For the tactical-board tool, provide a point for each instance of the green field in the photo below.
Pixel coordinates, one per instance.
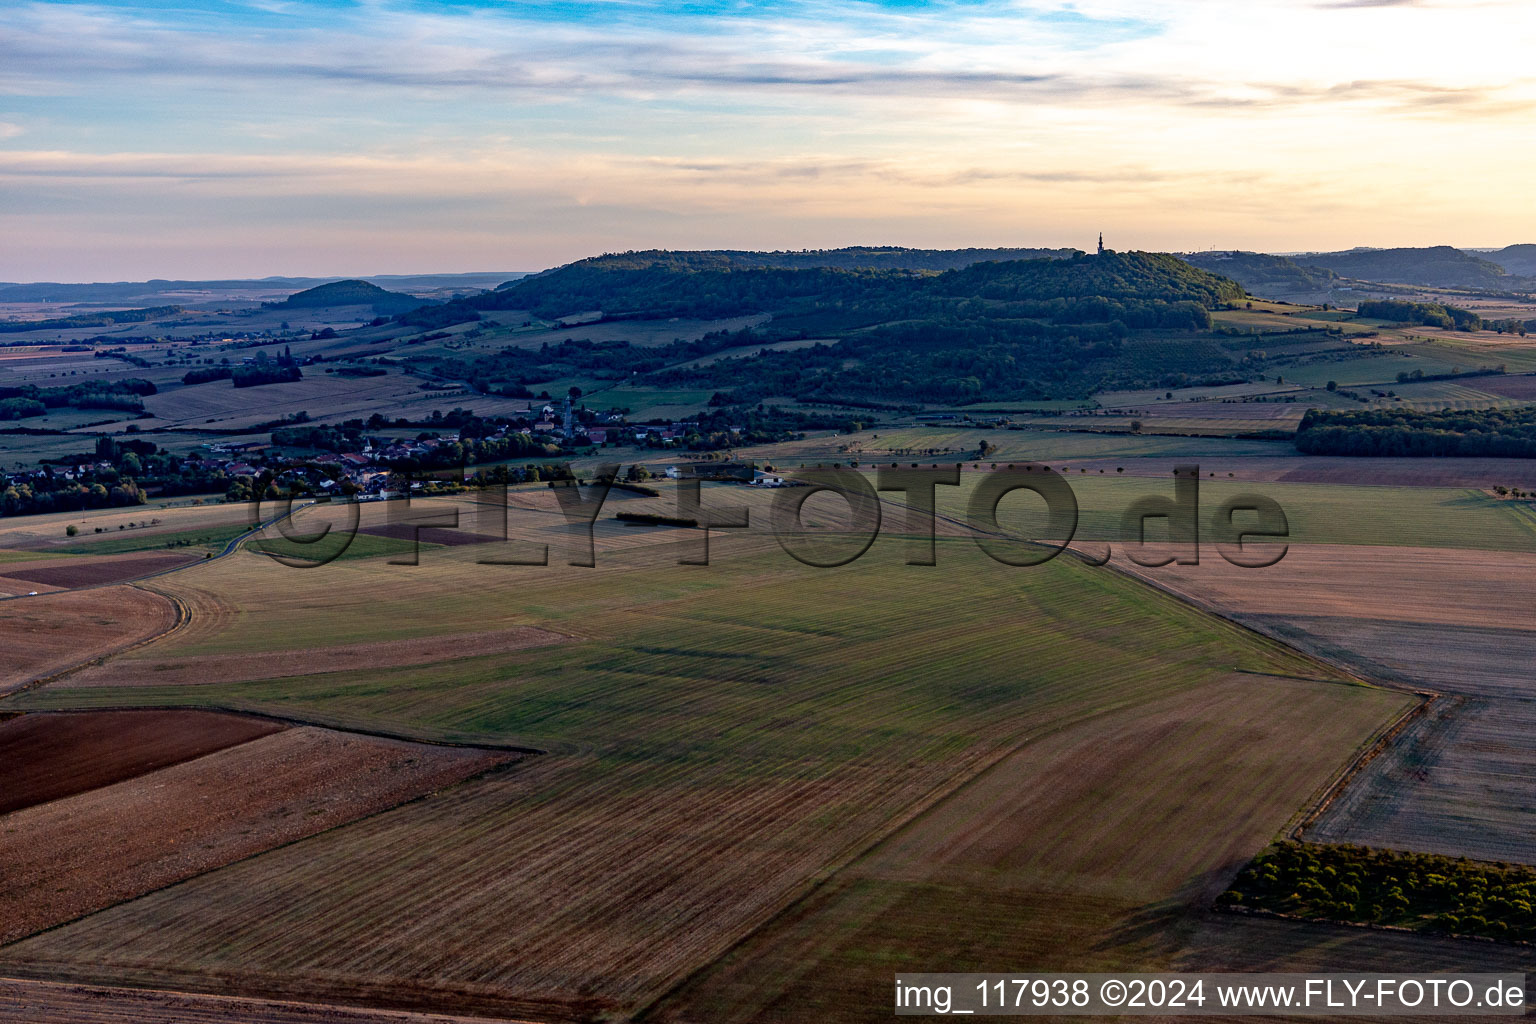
(335, 546)
(1328, 514)
(28, 556)
(116, 542)
(1047, 439)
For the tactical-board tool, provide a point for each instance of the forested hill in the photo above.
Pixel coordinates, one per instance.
(1018, 329)
(1273, 277)
(1517, 259)
(351, 293)
(1438, 266)
(1146, 276)
(675, 285)
(856, 257)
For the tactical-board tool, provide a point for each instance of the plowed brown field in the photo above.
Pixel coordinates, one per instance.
(87, 851)
(87, 571)
(47, 757)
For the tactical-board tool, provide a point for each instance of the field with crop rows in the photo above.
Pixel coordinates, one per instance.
(55, 631)
(1454, 622)
(718, 739)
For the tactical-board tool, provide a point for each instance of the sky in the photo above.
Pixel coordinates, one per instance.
(246, 138)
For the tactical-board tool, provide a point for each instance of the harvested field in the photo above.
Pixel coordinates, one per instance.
(147, 668)
(1088, 849)
(1276, 411)
(22, 588)
(1439, 586)
(1238, 942)
(1459, 781)
(41, 1002)
(87, 851)
(230, 406)
(47, 757)
(85, 571)
(1413, 472)
(725, 739)
(52, 632)
(105, 531)
(430, 534)
(1521, 386)
(1324, 469)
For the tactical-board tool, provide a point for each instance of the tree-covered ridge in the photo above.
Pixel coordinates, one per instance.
(102, 319)
(1517, 259)
(671, 285)
(351, 293)
(1136, 276)
(1509, 433)
(1005, 330)
(1419, 891)
(1263, 274)
(1426, 314)
(1438, 266)
(661, 290)
(945, 361)
(855, 257)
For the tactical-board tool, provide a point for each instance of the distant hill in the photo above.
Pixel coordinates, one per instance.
(1517, 259)
(1273, 277)
(473, 282)
(1439, 266)
(856, 257)
(1010, 329)
(350, 293)
(234, 289)
(101, 319)
(708, 285)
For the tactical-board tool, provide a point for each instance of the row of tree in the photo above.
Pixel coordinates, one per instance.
(1361, 885)
(1425, 314)
(1506, 433)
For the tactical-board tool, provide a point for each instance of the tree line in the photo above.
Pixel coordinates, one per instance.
(1506, 433)
(1360, 885)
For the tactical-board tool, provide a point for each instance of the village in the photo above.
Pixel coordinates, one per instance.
(373, 470)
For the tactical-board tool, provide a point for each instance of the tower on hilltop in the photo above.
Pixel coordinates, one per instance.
(1101, 243)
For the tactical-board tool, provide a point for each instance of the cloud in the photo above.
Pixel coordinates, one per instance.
(1346, 4)
(969, 58)
(9, 131)
(780, 120)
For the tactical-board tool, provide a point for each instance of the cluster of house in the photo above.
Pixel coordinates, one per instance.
(368, 471)
(608, 427)
(737, 472)
(232, 458)
(84, 471)
(363, 468)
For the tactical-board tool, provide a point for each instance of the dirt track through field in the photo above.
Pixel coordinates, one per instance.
(90, 850)
(151, 668)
